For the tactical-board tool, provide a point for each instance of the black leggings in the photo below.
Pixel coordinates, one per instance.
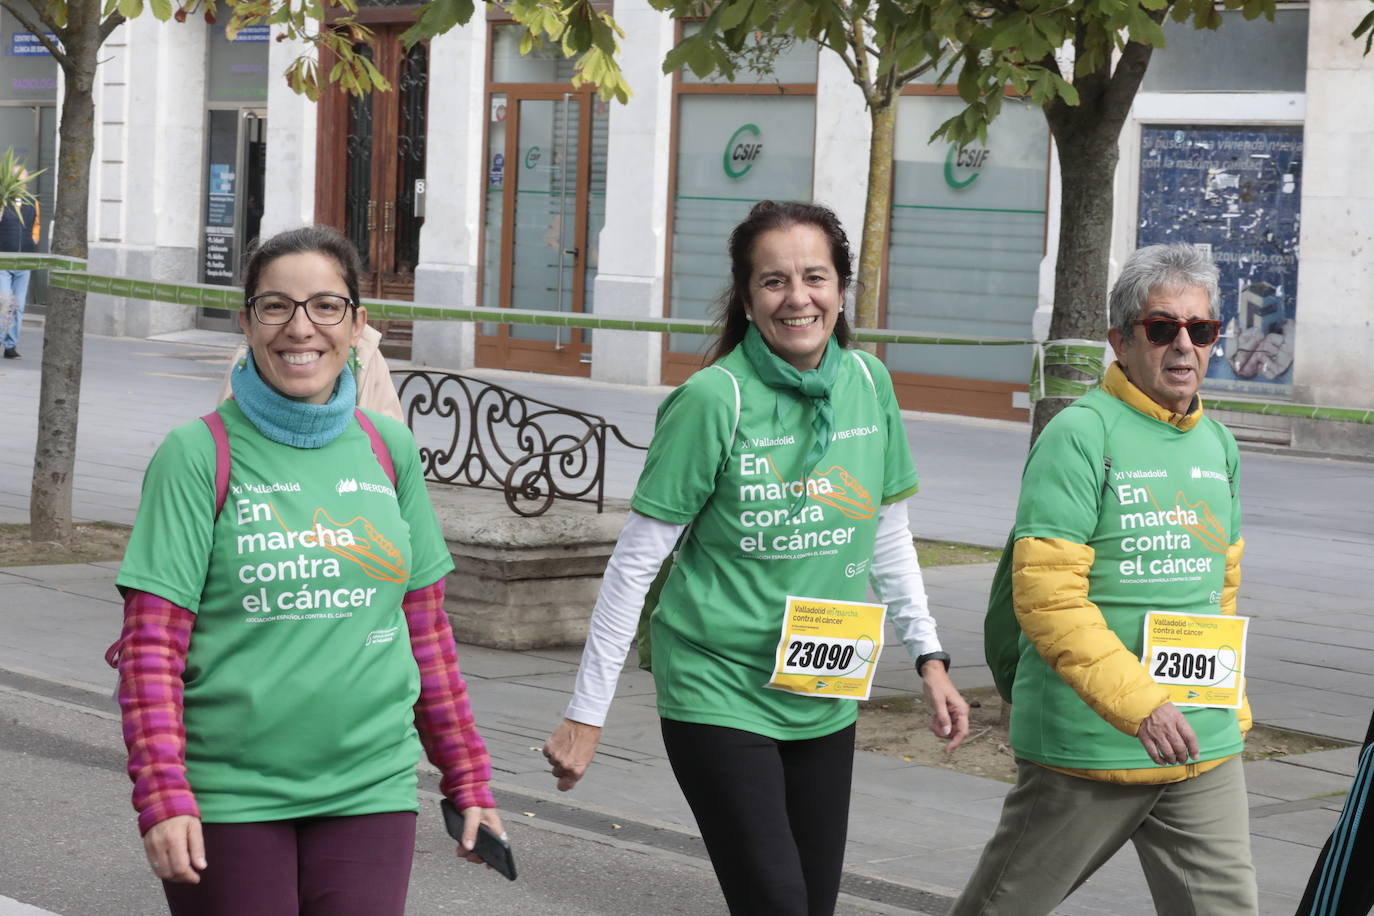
(773, 813)
(1342, 882)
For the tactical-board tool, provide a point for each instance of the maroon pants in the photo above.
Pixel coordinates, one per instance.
(319, 866)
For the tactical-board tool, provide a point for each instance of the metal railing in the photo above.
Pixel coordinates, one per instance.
(473, 433)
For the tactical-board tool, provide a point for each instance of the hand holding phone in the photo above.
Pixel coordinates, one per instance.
(490, 847)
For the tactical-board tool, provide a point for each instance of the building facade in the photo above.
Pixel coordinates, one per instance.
(486, 179)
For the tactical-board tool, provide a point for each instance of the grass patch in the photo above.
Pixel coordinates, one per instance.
(98, 542)
(951, 553)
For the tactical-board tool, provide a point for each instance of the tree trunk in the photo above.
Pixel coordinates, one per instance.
(1086, 137)
(54, 460)
(1087, 168)
(877, 216)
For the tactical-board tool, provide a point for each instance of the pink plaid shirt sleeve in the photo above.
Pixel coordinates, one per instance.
(443, 715)
(152, 656)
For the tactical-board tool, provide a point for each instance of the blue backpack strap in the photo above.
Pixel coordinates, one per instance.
(378, 445)
(221, 437)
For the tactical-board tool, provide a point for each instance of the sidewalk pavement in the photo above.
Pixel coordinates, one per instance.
(911, 826)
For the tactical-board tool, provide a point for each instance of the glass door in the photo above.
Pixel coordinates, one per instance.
(235, 166)
(545, 209)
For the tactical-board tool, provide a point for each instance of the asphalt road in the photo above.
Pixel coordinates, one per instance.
(68, 842)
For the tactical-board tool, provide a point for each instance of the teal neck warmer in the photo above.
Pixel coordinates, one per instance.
(289, 421)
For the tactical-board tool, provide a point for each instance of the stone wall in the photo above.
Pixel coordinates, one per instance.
(523, 583)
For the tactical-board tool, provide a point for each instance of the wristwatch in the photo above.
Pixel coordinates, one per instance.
(942, 657)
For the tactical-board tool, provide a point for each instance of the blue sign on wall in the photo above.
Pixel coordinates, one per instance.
(254, 33)
(26, 44)
(1237, 190)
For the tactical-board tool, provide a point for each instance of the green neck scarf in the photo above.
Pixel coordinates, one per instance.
(814, 384)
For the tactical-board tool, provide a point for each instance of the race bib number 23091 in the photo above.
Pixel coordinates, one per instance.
(1198, 658)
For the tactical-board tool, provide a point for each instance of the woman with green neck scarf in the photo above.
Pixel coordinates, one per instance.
(285, 651)
(774, 493)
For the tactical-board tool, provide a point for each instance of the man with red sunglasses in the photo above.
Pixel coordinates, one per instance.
(1127, 538)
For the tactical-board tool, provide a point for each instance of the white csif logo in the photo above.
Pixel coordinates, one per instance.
(347, 485)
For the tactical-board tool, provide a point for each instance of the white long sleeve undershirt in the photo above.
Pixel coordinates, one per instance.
(644, 544)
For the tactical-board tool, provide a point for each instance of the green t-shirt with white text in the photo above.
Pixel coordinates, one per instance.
(752, 542)
(1159, 523)
(299, 681)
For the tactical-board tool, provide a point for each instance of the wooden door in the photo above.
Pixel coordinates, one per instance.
(371, 154)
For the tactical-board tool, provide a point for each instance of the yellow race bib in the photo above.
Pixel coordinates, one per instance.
(828, 648)
(1198, 658)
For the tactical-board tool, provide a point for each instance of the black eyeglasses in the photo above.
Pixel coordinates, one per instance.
(324, 309)
(1203, 332)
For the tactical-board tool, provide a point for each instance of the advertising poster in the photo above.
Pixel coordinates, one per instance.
(1237, 190)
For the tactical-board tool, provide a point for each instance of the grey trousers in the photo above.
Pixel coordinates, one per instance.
(1192, 837)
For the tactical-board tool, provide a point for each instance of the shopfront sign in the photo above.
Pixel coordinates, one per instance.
(1236, 190)
(742, 151)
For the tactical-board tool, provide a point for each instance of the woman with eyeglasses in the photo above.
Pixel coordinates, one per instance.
(285, 651)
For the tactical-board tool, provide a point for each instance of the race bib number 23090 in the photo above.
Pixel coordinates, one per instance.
(828, 648)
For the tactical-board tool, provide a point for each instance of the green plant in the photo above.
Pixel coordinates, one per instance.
(14, 182)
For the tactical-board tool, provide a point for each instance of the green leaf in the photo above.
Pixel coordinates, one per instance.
(130, 9)
(1066, 90)
(1366, 28)
(1145, 30)
(969, 83)
(162, 9)
(1011, 33)
(436, 18)
(734, 12)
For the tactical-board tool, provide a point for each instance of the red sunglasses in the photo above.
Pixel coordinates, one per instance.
(1203, 332)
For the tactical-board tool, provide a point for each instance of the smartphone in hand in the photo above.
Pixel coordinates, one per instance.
(489, 847)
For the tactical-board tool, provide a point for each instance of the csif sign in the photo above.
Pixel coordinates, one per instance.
(963, 165)
(744, 148)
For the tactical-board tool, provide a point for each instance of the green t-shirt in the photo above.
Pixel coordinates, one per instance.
(719, 617)
(1159, 527)
(299, 680)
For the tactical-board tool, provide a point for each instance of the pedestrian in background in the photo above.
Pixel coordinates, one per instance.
(282, 649)
(782, 469)
(19, 232)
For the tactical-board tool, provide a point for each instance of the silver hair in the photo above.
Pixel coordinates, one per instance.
(1165, 268)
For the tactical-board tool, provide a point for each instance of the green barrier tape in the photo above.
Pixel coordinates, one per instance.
(40, 262)
(883, 335)
(1300, 411)
(204, 295)
(1084, 356)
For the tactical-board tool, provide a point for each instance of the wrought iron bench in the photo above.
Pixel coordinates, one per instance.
(473, 433)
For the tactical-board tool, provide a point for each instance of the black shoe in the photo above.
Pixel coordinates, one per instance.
(11, 353)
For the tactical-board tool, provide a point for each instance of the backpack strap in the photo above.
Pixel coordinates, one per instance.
(864, 366)
(1106, 452)
(734, 428)
(378, 445)
(221, 436)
